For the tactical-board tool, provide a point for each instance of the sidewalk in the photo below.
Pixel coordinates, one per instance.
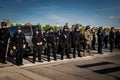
(28, 62)
(106, 52)
(45, 70)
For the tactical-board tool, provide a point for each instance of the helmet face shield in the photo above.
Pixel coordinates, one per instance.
(3, 24)
(19, 29)
(65, 28)
(51, 29)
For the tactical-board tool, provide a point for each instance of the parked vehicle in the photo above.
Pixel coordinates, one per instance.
(28, 32)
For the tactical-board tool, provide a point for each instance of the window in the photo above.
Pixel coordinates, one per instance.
(27, 31)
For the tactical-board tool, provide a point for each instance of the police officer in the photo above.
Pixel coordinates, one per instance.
(111, 38)
(37, 42)
(100, 40)
(65, 42)
(4, 36)
(93, 39)
(45, 35)
(76, 40)
(117, 33)
(105, 40)
(88, 38)
(19, 45)
(51, 44)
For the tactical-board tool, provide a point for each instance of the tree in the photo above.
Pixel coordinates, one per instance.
(46, 27)
(78, 24)
(18, 24)
(56, 28)
(107, 29)
(83, 28)
(39, 25)
(12, 25)
(28, 24)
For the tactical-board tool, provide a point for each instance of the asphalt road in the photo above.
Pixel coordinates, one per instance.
(97, 67)
(94, 69)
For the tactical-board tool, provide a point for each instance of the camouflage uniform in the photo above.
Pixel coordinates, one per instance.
(88, 39)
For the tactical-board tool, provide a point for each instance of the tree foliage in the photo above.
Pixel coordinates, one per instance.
(39, 25)
(28, 24)
(46, 27)
(18, 24)
(56, 28)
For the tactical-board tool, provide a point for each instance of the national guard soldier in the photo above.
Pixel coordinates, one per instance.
(51, 44)
(88, 39)
(111, 38)
(76, 40)
(37, 48)
(100, 40)
(4, 36)
(19, 45)
(82, 42)
(65, 42)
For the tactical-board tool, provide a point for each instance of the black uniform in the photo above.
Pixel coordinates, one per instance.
(117, 39)
(45, 35)
(37, 49)
(105, 41)
(19, 41)
(100, 40)
(58, 42)
(65, 42)
(77, 38)
(93, 40)
(111, 40)
(51, 44)
(4, 36)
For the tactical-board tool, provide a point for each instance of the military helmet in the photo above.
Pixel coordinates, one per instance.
(3, 24)
(65, 27)
(100, 28)
(51, 28)
(87, 27)
(112, 28)
(19, 28)
(36, 29)
(77, 27)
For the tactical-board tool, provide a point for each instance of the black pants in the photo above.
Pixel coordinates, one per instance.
(76, 48)
(106, 44)
(93, 45)
(111, 46)
(100, 47)
(37, 51)
(117, 43)
(19, 57)
(65, 50)
(2, 52)
(53, 48)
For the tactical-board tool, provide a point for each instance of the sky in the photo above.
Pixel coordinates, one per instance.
(58, 12)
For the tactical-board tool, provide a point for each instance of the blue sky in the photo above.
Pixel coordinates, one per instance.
(86, 12)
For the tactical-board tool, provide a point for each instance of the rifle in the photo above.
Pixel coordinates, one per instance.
(7, 49)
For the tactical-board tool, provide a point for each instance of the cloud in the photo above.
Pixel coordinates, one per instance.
(110, 8)
(59, 19)
(114, 17)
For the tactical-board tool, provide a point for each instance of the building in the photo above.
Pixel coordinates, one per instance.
(8, 23)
